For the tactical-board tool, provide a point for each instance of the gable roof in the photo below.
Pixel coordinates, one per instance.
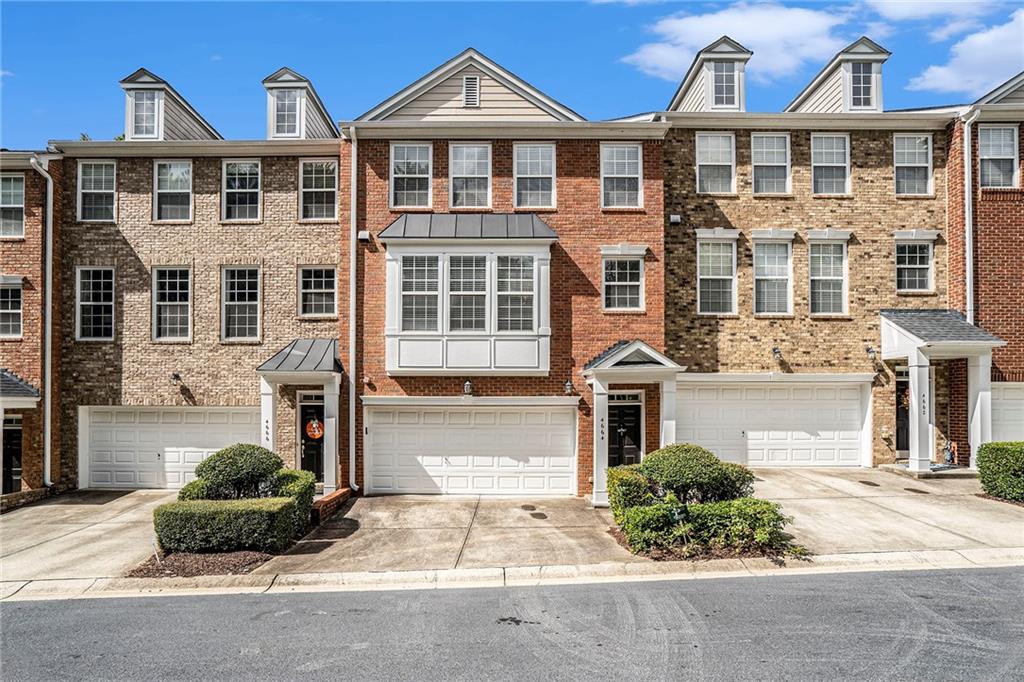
(630, 354)
(286, 77)
(935, 325)
(468, 226)
(723, 47)
(995, 95)
(13, 386)
(863, 49)
(145, 79)
(471, 57)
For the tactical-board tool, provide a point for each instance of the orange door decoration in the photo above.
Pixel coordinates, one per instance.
(314, 429)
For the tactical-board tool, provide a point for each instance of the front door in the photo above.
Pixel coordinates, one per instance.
(624, 437)
(311, 438)
(902, 416)
(12, 455)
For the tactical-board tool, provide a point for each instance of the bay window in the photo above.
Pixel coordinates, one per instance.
(515, 293)
(419, 293)
(467, 293)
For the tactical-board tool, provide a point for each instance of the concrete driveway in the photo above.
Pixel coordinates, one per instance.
(91, 534)
(421, 532)
(840, 511)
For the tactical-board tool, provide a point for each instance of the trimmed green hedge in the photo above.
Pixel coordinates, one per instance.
(301, 487)
(694, 474)
(741, 525)
(239, 471)
(1001, 469)
(627, 487)
(651, 526)
(198, 489)
(264, 525)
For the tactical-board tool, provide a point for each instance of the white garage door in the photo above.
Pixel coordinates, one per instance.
(496, 451)
(762, 425)
(1008, 411)
(157, 447)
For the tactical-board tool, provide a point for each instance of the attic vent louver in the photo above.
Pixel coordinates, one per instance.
(471, 91)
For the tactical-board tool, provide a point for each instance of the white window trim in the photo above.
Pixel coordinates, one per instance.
(430, 175)
(300, 290)
(224, 338)
(224, 191)
(846, 277)
(876, 85)
(789, 165)
(931, 266)
(931, 174)
(24, 189)
(698, 164)
(451, 176)
(129, 123)
(554, 173)
(789, 276)
(642, 284)
(479, 82)
(849, 153)
(191, 192)
(300, 124)
(155, 305)
(735, 291)
(738, 85)
(79, 303)
(21, 312)
(640, 174)
(78, 192)
(302, 192)
(1016, 154)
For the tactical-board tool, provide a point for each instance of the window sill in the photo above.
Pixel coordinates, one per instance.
(827, 318)
(318, 221)
(411, 209)
(624, 311)
(316, 318)
(722, 195)
(723, 316)
(11, 339)
(832, 196)
(97, 222)
(241, 222)
(623, 209)
(912, 197)
(80, 340)
(929, 292)
(535, 209)
(773, 195)
(240, 342)
(13, 239)
(470, 209)
(774, 316)
(171, 222)
(172, 342)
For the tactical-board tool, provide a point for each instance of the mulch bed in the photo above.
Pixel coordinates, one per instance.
(187, 565)
(999, 499)
(705, 554)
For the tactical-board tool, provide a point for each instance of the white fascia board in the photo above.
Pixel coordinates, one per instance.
(717, 233)
(471, 243)
(470, 401)
(773, 234)
(195, 148)
(494, 130)
(916, 235)
(274, 377)
(609, 362)
(776, 377)
(18, 403)
(897, 342)
(876, 120)
(624, 249)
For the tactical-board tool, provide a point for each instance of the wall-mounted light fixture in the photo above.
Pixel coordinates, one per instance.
(872, 353)
(777, 353)
(568, 386)
(467, 388)
(175, 378)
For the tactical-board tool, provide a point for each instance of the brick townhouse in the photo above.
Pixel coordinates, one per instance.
(536, 296)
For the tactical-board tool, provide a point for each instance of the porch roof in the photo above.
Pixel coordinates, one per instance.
(304, 355)
(939, 333)
(633, 357)
(468, 226)
(15, 392)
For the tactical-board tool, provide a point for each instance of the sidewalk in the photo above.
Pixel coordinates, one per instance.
(518, 576)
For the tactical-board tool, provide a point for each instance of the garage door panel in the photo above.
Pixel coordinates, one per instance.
(1008, 411)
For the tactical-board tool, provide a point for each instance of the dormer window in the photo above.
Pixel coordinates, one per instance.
(286, 113)
(724, 84)
(861, 85)
(471, 91)
(145, 114)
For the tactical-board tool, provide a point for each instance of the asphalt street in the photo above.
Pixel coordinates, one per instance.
(932, 625)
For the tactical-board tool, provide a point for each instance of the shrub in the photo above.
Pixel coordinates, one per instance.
(199, 489)
(627, 487)
(1001, 469)
(694, 474)
(743, 524)
(264, 525)
(301, 487)
(239, 471)
(651, 526)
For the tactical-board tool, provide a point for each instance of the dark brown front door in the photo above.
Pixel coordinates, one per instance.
(311, 421)
(624, 434)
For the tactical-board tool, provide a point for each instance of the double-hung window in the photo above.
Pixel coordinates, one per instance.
(10, 311)
(716, 277)
(411, 175)
(515, 293)
(241, 193)
(716, 163)
(317, 292)
(621, 176)
(286, 113)
(535, 175)
(912, 161)
(828, 277)
(318, 193)
(467, 293)
(95, 304)
(913, 266)
(470, 175)
(772, 278)
(97, 185)
(724, 84)
(769, 156)
(420, 293)
(12, 205)
(830, 164)
(998, 156)
(862, 85)
(172, 304)
(623, 283)
(172, 190)
(240, 301)
(144, 114)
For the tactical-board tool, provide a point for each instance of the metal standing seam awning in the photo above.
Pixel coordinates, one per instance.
(301, 360)
(468, 226)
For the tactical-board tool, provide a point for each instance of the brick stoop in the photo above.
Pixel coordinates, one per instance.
(324, 507)
(901, 470)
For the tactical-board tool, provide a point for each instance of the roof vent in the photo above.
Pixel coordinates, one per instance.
(471, 91)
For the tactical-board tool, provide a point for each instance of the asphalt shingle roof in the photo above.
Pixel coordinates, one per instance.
(13, 386)
(305, 355)
(468, 226)
(607, 352)
(938, 325)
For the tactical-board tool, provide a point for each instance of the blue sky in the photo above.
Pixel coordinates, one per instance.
(60, 63)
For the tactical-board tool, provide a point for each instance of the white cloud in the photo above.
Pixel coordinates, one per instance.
(215, 57)
(878, 30)
(5, 73)
(783, 39)
(952, 18)
(978, 62)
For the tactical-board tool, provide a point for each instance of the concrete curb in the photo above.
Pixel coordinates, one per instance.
(512, 576)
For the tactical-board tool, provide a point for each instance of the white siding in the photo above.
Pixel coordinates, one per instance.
(180, 124)
(443, 102)
(694, 99)
(1012, 97)
(827, 98)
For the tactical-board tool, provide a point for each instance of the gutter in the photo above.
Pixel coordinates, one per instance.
(48, 327)
(968, 119)
(352, 245)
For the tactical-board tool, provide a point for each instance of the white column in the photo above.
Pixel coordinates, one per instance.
(979, 405)
(268, 414)
(668, 412)
(920, 411)
(599, 498)
(332, 390)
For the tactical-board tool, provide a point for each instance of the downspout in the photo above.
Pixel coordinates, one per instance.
(352, 245)
(968, 118)
(48, 327)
